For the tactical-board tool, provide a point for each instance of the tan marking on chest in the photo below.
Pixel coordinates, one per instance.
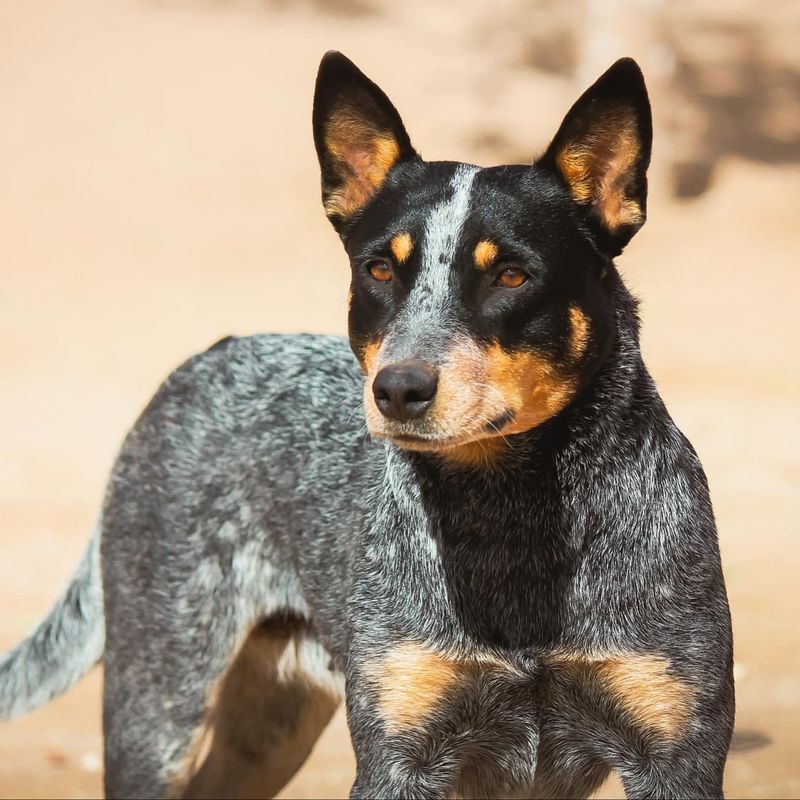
(410, 681)
(402, 246)
(641, 683)
(485, 254)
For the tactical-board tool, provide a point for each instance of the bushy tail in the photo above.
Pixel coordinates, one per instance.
(65, 645)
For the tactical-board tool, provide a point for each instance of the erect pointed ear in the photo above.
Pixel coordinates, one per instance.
(602, 152)
(358, 134)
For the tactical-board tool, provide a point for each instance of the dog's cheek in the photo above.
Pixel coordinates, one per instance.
(368, 356)
(534, 386)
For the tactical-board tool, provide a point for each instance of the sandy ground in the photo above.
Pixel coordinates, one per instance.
(158, 189)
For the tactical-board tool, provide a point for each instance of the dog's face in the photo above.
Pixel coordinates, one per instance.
(479, 302)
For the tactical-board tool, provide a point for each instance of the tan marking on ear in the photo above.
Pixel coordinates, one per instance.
(402, 247)
(410, 681)
(485, 254)
(597, 167)
(641, 683)
(534, 387)
(579, 336)
(365, 156)
(368, 355)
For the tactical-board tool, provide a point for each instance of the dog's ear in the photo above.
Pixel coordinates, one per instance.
(358, 134)
(602, 152)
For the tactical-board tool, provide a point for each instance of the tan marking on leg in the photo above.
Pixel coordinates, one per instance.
(265, 716)
(402, 247)
(485, 254)
(410, 681)
(641, 683)
(579, 337)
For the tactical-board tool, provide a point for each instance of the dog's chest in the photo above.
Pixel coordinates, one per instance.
(510, 698)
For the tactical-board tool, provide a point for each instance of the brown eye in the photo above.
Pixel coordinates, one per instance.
(380, 271)
(511, 278)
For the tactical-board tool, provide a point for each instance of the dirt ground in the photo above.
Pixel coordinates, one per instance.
(158, 189)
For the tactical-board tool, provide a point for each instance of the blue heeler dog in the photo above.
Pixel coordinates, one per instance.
(514, 582)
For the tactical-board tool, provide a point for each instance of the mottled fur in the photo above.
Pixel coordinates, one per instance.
(516, 624)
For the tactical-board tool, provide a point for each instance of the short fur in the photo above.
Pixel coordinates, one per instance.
(515, 591)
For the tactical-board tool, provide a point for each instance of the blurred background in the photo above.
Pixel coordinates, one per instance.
(159, 189)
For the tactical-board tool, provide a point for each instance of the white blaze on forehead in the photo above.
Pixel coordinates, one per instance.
(442, 232)
(423, 323)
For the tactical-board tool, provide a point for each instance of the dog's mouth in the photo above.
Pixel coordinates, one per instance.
(433, 443)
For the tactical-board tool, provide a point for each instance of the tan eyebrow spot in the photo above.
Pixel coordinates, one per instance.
(401, 246)
(485, 254)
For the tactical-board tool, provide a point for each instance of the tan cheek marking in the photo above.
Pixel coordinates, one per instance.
(534, 388)
(369, 354)
(402, 247)
(642, 685)
(366, 157)
(596, 170)
(485, 254)
(410, 681)
(579, 338)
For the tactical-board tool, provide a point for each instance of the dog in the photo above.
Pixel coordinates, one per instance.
(514, 580)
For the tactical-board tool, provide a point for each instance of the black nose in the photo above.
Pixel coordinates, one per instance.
(405, 390)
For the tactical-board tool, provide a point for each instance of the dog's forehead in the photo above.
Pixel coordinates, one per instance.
(443, 222)
(443, 206)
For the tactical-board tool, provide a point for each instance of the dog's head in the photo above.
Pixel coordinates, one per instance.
(480, 299)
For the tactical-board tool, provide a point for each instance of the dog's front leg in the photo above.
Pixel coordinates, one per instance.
(401, 750)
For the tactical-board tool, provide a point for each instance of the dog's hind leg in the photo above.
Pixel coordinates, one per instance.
(267, 713)
(177, 613)
(186, 727)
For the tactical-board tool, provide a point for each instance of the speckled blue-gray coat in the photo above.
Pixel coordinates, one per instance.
(511, 573)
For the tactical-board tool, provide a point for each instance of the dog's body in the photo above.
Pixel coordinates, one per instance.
(517, 611)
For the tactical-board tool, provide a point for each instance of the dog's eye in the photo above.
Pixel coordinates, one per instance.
(511, 278)
(380, 270)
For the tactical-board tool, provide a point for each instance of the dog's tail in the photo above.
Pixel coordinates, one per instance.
(65, 645)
